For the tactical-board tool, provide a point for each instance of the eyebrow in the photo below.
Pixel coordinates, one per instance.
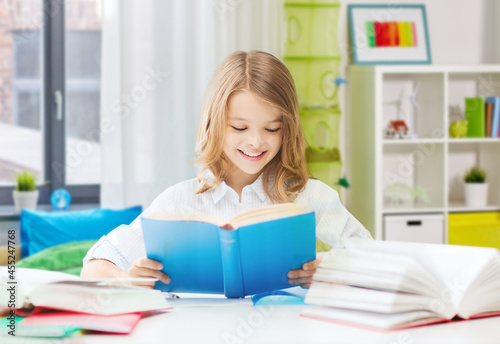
(244, 120)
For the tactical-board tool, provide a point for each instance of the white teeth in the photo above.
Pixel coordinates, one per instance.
(251, 154)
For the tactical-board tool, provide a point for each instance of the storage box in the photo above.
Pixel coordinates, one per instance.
(474, 229)
(312, 28)
(328, 172)
(426, 228)
(315, 81)
(321, 128)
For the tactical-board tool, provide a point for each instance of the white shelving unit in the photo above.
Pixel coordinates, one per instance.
(432, 160)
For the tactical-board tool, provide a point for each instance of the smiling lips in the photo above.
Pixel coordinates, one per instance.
(252, 156)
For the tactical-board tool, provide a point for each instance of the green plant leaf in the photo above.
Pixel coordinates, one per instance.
(25, 181)
(475, 175)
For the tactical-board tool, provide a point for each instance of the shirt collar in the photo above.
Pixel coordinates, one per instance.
(220, 191)
(258, 187)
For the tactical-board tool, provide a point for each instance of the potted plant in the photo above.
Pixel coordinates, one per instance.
(476, 188)
(25, 194)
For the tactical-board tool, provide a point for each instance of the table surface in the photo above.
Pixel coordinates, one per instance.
(283, 324)
(278, 324)
(197, 318)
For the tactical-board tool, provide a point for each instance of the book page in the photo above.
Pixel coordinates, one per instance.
(483, 294)
(192, 217)
(365, 299)
(27, 280)
(268, 213)
(370, 319)
(456, 266)
(381, 270)
(97, 299)
(252, 216)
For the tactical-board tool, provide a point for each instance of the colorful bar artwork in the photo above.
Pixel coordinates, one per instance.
(391, 34)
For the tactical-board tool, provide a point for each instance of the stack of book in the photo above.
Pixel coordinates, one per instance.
(40, 303)
(394, 285)
(483, 115)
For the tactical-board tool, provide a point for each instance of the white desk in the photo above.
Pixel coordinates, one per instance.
(244, 323)
(282, 324)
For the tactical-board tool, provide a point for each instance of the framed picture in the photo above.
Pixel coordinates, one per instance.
(389, 34)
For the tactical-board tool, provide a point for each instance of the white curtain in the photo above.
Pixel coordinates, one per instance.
(157, 59)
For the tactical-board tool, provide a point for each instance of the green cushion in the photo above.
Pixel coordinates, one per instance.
(66, 258)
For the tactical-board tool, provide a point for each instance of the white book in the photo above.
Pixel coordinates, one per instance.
(392, 285)
(55, 290)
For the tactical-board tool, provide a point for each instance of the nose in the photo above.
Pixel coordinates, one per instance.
(255, 139)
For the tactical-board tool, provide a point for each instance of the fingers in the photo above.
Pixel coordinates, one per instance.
(149, 273)
(302, 281)
(308, 269)
(312, 265)
(148, 263)
(144, 267)
(300, 273)
(304, 276)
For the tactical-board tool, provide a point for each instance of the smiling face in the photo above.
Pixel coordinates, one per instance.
(253, 137)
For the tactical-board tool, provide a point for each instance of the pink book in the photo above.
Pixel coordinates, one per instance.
(121, 323)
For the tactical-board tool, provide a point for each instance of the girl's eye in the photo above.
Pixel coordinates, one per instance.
(273, 130)
(238, 129)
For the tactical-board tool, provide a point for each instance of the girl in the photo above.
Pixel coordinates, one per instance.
(251, 151)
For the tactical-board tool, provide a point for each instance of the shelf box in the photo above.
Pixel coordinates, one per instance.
(474, 229)
(426, 228)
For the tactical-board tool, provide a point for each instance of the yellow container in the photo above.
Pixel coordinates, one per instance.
(474, 229)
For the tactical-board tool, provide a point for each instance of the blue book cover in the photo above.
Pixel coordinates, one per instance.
(495, 123)
(212, 257)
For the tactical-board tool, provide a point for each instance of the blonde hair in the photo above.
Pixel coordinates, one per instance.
(267, 78)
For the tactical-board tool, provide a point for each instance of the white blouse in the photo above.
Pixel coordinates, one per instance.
(334, 223)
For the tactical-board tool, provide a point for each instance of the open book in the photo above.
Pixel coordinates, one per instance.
(251, 253)
(393, 285)
(60, 291)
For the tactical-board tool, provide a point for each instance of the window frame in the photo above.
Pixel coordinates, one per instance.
(54, 131)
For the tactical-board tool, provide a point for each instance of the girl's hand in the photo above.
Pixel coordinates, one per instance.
(304, 276)
(145, 267)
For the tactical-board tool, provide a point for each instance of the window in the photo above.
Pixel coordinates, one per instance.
(50, 96)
